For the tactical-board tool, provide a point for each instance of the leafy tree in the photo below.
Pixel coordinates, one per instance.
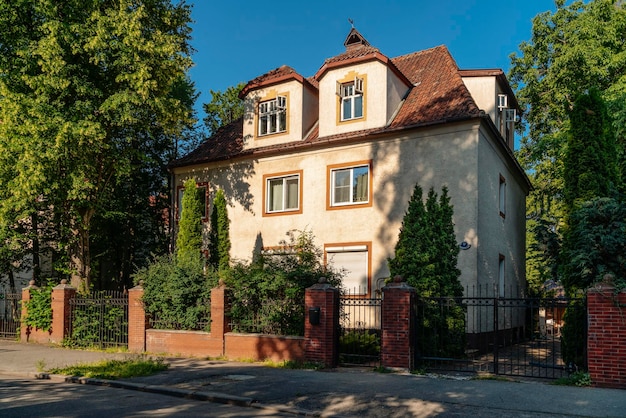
(223, 108)
(590, 166)
(219, 237)
(577, 47)
(426, 256)
(85, 96)
(189, 238)
(595, 245)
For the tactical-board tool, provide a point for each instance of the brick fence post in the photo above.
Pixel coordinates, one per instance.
(219, 320)
(24, 329)
(61, 311)
(321, 325)
(606, 336)
(398, 339)
(137, 320)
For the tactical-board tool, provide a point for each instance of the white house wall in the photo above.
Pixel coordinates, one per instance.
(500, 235)
(434, 157)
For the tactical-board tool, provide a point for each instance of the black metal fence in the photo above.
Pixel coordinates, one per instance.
(505, 336)
(10, 312)
(99, 320)
(360, 337)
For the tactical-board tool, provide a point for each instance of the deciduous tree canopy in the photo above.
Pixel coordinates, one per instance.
(86, 105)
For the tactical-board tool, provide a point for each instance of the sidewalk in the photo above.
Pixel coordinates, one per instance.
(340, 392)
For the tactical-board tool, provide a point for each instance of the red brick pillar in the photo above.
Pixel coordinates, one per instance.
(24, 329)
(137, 320)
(606, 338)
(398, 339)
(321, 324)
(61, 311)
(219, 321)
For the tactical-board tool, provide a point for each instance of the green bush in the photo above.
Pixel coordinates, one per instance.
(267, 295)
(366, 343)
(96, 323)
(39, 308)
(177, 296)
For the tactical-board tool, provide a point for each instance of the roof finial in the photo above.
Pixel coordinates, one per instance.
(351, 22)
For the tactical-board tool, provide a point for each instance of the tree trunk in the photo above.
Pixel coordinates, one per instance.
(80, 256)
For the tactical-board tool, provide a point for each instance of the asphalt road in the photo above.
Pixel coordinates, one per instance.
(23, 397)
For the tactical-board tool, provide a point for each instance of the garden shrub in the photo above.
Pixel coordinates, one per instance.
(39, 308)
(267, 295)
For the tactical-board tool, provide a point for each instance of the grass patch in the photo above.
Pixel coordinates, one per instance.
(115, 369)
(580, 379)
(294, 365)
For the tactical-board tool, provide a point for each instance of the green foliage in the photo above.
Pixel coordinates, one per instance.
(359, 346)
(224, 108)
(39, 308)
(267, 295)
(97, 322)
(595, 245)
(590, 165)
(115, 369)
(426, 253)
(87, 109)
(219, 237)
(177, 296)
(543, 246)
(189, 237)
(580, 379)
(426, 256)
(576, 48)
(574, 334)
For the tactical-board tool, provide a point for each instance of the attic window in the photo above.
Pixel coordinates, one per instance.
(351, 96)
(273, 116)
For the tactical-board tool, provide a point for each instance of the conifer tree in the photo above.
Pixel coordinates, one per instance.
(426, 256)
(219, 236)
(189, 238)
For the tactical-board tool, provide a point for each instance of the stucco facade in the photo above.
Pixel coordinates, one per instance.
(418, 124)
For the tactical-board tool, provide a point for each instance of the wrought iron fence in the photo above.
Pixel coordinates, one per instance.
(162, 322)
(99, 320)
(506, 336)
(360, 337)
(10, 312)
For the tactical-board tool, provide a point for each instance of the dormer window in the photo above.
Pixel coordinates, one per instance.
(351, 96)
(273, 116)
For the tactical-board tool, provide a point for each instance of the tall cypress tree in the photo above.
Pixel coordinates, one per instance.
(219, 236)
(426, 256)
(590, 164)
(189, 239)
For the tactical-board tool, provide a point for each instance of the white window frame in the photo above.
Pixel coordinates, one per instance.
(355, 283)
(285, 193)
(273, 114)
(349, 93)
(352, 186)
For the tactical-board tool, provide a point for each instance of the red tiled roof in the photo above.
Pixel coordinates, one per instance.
(438, 92)
(438, 95)
(275, 76)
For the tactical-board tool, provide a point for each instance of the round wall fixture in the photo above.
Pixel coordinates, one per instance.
(465, 245)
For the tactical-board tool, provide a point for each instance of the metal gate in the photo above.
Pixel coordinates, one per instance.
(99, 320)
(504, 336)
(10, 312)
(360, 336)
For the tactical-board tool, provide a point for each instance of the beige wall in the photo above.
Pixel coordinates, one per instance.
(383, 91)
(455, 155)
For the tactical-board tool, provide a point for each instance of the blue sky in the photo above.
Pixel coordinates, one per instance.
(238, 40)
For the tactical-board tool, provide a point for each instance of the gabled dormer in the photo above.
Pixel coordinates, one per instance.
(358, 89)
(492, 93)
(280, 107)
